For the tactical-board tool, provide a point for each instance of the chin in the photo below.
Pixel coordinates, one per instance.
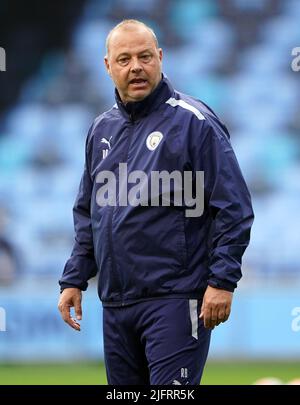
(140, 96)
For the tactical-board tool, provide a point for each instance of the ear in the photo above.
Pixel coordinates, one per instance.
(107, 64)
(160, 54)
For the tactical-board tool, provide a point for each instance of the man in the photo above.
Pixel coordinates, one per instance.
(165, 278)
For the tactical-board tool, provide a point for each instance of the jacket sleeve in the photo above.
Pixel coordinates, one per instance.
(228, 201)
(81, 265)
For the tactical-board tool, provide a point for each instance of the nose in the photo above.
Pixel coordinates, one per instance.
(135, 66)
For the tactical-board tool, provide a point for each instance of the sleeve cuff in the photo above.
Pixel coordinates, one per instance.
(63, 286)
(222, 284)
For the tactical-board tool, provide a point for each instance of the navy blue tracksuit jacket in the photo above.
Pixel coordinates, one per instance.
(146, 252)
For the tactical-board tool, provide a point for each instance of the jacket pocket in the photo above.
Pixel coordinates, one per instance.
(151, 241)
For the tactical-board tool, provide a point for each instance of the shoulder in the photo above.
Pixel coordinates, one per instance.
(189, 106)
(101, 120)
(105, 117)
(203, 119)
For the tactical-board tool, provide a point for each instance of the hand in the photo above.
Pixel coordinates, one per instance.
(70, 297)
(216, 307)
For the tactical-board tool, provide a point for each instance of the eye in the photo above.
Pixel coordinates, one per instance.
(146, 57)
(123, 61)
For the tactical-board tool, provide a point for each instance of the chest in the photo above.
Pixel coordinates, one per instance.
(147, 145)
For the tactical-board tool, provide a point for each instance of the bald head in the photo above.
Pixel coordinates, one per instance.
(133, 26)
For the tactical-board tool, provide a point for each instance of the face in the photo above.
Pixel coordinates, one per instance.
(133, 62)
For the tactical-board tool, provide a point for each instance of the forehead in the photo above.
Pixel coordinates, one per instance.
(131, 38)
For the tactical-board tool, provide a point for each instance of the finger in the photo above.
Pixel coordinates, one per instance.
(219, 321)
(227, 313)
(209, 323)
(214, 316)
(65, 311)
(73, 323)
(78, 310)
(207, 317)
(202, 310)
(221, 316)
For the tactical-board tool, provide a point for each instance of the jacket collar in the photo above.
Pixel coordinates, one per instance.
(139, 109)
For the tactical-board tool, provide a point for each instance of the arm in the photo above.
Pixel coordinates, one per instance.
(81, 265)
(228, 202)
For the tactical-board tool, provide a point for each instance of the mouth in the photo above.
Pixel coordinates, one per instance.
(138, 81)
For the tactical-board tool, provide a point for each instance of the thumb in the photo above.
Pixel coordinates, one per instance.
(202, 310)
(78, 310)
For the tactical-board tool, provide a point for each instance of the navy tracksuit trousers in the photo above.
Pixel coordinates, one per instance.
(155, 342)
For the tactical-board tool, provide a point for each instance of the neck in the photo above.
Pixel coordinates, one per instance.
(138, 109)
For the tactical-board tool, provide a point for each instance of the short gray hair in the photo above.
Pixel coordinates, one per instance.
(128, 22)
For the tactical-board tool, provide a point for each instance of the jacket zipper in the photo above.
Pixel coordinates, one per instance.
(113, 263)
(125, 160)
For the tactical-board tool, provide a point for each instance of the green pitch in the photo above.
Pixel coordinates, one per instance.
(94, 373)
